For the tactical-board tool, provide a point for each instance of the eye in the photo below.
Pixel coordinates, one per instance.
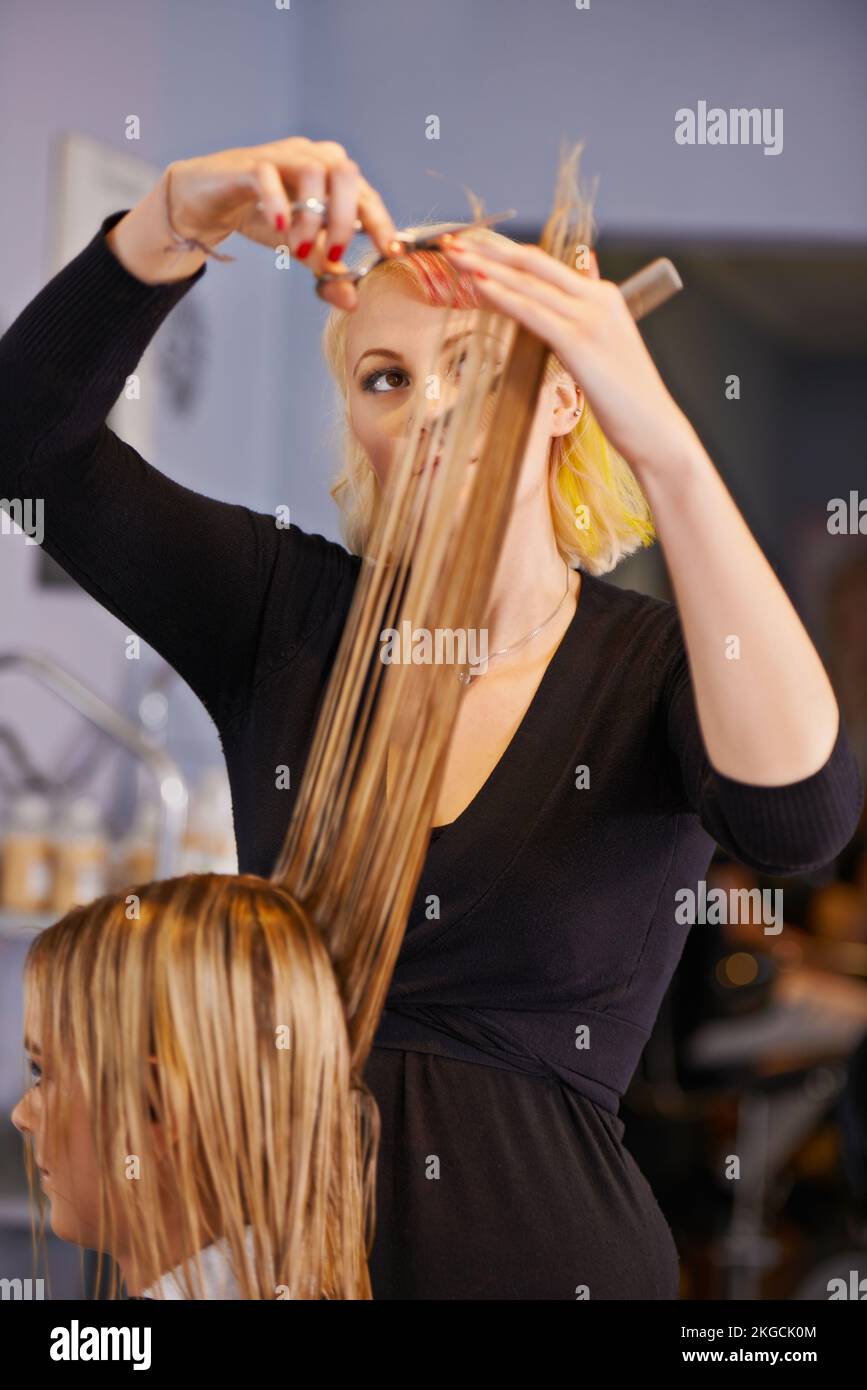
(36, 1073)
(370, 383)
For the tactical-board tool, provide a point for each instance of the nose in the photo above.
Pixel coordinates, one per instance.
(21, 1116)
(437, 420)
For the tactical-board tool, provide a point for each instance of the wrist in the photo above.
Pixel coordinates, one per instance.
(143, 242)
(674, 458)
(678, 477)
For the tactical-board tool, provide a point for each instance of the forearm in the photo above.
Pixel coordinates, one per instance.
(766, 707)
(139, 240)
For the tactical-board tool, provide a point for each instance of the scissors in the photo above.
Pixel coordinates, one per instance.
(413, 239)
(644, 291)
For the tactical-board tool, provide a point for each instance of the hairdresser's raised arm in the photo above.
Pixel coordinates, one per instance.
(188, 574)
(766, 707)
(249, 190)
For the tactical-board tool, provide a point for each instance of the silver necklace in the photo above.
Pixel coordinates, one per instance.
(465, 675)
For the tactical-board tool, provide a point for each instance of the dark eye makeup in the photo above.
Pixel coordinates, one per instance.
(369, 383)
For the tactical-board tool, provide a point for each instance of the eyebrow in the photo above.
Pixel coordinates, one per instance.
(393, 352)
(32, 1047)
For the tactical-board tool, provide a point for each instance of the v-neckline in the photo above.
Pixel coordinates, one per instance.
(531, 716)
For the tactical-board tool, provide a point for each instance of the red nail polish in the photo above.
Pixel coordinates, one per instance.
(280, 221)
(304, 249)
(335, 253)
(480, 275)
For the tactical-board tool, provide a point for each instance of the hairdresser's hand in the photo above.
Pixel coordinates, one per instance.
(249, 190)
(586, 322)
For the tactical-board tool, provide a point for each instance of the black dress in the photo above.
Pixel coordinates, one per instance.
(546, 924)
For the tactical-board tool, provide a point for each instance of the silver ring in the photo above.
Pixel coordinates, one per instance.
(316, 205)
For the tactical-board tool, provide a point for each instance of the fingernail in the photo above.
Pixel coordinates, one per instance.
(304, 249)
(480, 274)
(335, 252)
(395, 247)
(280, 221)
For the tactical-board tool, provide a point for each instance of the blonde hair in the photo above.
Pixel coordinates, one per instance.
(598, 510)
(215, 1009)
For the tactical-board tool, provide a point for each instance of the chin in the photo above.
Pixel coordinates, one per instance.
(66, 1226)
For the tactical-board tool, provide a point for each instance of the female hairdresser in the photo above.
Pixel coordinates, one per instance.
(593, 765)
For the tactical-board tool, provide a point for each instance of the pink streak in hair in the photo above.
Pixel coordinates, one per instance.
(442, 285)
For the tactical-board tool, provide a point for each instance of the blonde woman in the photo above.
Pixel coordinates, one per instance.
(193, 1111)
(613, 739)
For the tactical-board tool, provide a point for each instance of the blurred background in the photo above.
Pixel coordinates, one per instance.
(110, 769)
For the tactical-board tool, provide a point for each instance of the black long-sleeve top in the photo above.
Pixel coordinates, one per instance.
(557, 901)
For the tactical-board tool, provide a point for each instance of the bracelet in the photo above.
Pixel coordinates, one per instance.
(181, 243)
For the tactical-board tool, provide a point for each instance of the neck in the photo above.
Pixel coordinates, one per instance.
(530, 580)
(139, 1273)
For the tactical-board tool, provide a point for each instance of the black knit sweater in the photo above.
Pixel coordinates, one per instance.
(554, 904)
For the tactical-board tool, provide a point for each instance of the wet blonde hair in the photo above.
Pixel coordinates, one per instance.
(598, 510)
(228, 986)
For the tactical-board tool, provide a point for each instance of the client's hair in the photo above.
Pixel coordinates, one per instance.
(209, 1004)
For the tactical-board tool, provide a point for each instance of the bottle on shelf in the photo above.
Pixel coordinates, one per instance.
(80, 855)
(134, 858)
(26, 861)
(209, 840)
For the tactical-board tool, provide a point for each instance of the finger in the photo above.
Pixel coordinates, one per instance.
(524, 282)
(343, 182)
(272, 194)
(376, 220)
(546, 323)
(309, 182)
(530, 260)
(341, 294)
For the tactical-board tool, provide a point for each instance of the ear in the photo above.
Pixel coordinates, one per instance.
(567, 403)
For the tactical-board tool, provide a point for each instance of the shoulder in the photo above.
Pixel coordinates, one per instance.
(307, 583)
(628, 611)
(637, 632)
(304, 558)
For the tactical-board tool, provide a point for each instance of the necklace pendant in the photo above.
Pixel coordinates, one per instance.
(465, 676)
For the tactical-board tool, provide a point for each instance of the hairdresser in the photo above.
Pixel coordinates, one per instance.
(613, 740)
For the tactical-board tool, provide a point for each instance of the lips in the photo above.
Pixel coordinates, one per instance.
(438, 459)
